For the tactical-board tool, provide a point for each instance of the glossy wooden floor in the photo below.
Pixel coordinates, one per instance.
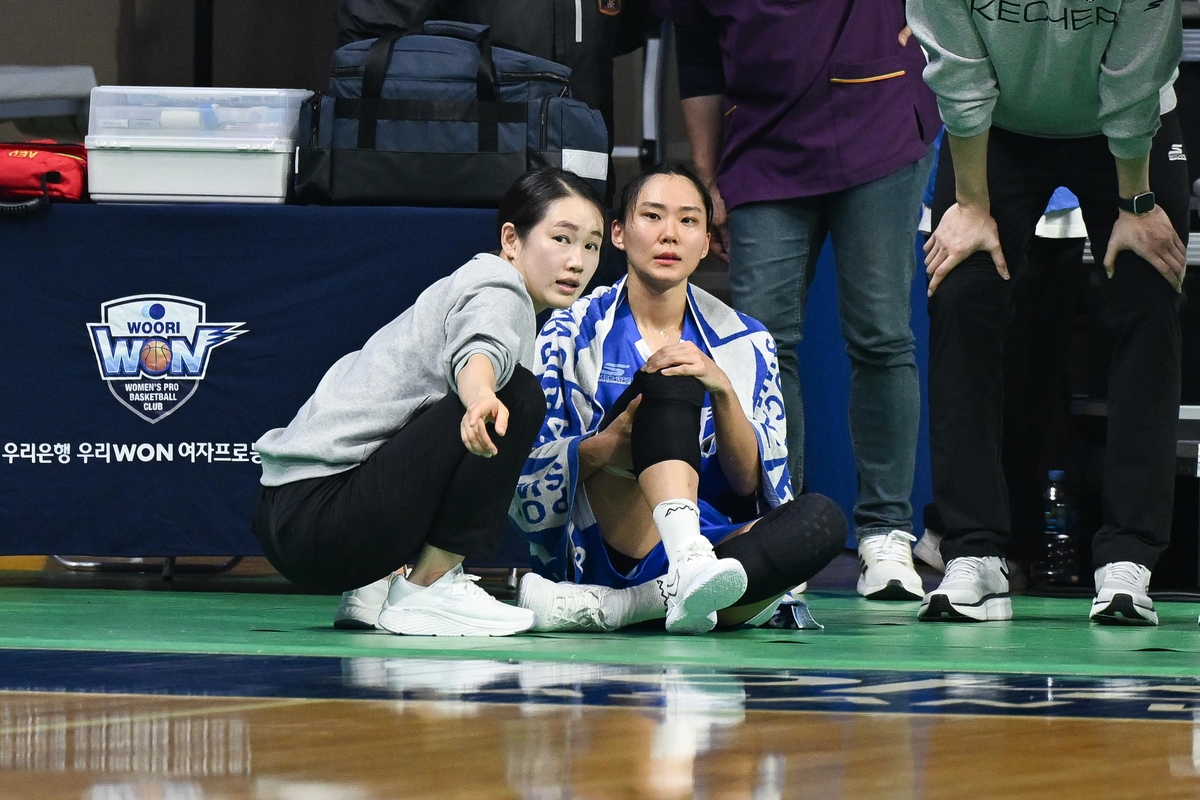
(123, 747)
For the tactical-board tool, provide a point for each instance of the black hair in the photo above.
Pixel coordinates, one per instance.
(529, 198)
(634, 188)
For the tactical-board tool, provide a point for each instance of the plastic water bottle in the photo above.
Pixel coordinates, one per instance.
(1059, 564)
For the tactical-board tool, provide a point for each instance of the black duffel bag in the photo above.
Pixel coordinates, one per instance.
(441, 118)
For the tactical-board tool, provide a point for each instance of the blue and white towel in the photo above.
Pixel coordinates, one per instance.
(581, 353)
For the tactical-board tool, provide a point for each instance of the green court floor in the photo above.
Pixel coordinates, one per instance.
(1047, 635)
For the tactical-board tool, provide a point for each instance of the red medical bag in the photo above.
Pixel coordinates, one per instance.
(34, 173)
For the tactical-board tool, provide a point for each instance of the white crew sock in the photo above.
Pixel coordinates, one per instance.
(636, 604)
(678, 523)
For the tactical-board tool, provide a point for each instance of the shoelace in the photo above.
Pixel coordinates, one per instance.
(966, 568)
(698, 548)
(464, 583)
(571, 607)
(1128, 572)
(894, 546)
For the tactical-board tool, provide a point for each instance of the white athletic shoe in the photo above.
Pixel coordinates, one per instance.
(699, 586)
(928, 549)
(886, 571)
(1121, 597)
(571, 607)
(359, 610)
(451, 606)
(973, 590)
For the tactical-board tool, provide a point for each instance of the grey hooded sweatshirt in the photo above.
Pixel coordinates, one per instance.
(414, 360)
(1053, 68)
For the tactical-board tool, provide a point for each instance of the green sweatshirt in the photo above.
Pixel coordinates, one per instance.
(1054, 68)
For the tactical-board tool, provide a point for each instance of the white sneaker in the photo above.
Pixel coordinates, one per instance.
(886, 567)
(1121, 597)
(359, 610)
(973, 590)
(699, 586)
(450, 606)
(928, 549)
(569, 606)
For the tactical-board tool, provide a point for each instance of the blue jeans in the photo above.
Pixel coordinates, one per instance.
(773, 254)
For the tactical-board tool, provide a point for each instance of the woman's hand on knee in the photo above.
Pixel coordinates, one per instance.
(964, 230)
(1152, 237)
(621, 430)
(685, 358)
(609, 447)
(473, 428)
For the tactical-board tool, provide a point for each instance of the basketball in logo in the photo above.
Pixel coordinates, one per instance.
(156, 356)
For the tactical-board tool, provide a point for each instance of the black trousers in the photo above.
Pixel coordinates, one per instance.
(969, 318)
(422, 486)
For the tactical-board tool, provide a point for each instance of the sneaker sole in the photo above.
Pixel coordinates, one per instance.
(719, 589)
(1121, 610)
(429, 622)
(994, 608)
(892, 590)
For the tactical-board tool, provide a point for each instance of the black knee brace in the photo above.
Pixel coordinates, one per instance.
(788, 546)
(667, 425)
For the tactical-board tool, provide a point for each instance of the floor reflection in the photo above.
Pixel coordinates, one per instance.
(724, 694)
(687, 734)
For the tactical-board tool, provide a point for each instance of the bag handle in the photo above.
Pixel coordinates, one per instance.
(379, 56)
(374, 72)
(481, 37)
(23, 207)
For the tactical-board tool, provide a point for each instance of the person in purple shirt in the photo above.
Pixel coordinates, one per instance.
(807, 120)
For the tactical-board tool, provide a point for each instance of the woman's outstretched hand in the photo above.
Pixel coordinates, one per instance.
(473, 427)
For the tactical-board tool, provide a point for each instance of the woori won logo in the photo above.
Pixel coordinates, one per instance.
(153, 350)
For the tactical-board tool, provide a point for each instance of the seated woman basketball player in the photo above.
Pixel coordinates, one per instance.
(411, 447)
(663, 444)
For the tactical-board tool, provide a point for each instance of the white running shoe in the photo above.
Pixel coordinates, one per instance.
(1121, 597)
(928, 549)
(359, 610)
(699, 586)
(569, 606)
(973, 590)
(450, 606)
(886, 567)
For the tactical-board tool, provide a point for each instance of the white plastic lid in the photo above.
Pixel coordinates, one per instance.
(186, 118)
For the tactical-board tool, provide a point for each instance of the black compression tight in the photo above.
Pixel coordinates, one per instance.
(788, 546)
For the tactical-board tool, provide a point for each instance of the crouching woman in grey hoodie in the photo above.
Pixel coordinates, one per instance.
(409, 450)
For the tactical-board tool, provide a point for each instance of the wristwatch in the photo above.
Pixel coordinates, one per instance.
(1140, 204)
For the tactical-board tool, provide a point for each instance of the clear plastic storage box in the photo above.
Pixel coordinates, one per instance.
(181, 144)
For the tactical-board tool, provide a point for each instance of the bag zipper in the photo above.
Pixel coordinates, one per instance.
(315, 123)
(544, 123)
(519, 77)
